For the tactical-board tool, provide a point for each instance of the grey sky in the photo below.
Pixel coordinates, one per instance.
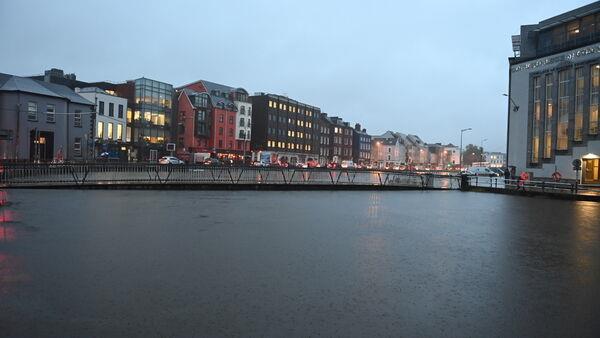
(427, 68)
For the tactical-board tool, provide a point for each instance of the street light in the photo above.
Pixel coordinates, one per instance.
(515, 107)
(461, 154)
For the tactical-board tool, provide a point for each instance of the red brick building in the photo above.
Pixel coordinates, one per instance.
(214, 119)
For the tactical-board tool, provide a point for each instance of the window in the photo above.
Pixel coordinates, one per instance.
(220, 143)
(536, 122)
(100, 131)
(111, 109)
(549, 115)
(221, 131)
(119, 132)
(101, 108)
(230, 133)
(77, 146)
(230, 120)
(77, 118)
(120, 111)
(32, 111)
(578, 104)
(242, 110)
(594, 94)
(241, 121)
(110, 131)
(563, 110)
(221, 118)
(50, 116)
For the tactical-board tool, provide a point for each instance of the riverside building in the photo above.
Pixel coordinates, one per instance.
(284, 129)
(214, 119)
(554, 95)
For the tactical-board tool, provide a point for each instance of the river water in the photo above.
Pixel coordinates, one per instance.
(297, 263)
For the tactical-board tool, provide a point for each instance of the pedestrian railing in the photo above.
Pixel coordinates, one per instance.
(533, 185)
(23, 175)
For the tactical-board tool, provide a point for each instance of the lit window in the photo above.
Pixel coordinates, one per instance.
(119, 132)
(110, 131)
(100, 131)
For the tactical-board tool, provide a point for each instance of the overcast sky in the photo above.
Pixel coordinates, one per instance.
(429, 68)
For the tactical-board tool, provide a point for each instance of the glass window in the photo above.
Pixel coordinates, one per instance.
(537, 110)
(549, 116)
(32, 111)
(50, 116)
(77, 118)
(100, 131)
(111, 109)
(594, 94)
(241, 121)
(579, 86)
(101, 108)
(77, 146)
(119, 132)
(120, 111)
(110, 131)
(563, 110)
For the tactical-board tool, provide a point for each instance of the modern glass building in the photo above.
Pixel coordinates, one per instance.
(554, 93)
(149, 118)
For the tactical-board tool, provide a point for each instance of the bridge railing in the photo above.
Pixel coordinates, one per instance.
(533, 185)
(19, 175)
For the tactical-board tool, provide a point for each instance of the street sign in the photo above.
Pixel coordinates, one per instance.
(170, 146)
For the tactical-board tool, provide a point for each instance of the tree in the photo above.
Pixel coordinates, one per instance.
(472, 154)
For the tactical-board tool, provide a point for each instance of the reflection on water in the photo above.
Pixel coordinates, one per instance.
(10, 272)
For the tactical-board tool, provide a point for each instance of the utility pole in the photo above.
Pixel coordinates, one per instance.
(461, 146)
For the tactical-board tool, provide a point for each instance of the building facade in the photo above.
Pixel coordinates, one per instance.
(361, 146)
(111, 123)
(324, 126)
(149, 117)
(495, 159)
(387, 150)
(43, 122)
(341, 140)
(285, 129)
(215, 119)
(554, 94)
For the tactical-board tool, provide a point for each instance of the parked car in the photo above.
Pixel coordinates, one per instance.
(480, 171)
(498, 171)
(212, 161)
(347, 164)
(170, 160)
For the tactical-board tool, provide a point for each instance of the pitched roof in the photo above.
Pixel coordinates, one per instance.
(13, 83)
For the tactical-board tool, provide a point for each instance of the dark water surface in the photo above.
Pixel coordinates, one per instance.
(201, 263)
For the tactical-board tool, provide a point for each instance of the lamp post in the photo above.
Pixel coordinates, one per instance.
(515, 107)
(482, 140)
(461, 152)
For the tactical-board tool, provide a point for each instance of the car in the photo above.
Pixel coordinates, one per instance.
(347, 164)
(212, 161)
(170, 160)
(480, 171)
(498, 171)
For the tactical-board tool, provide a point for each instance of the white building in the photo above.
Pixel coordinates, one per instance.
(387, 150)
(554, 96)
(111, 110)
(244, 117)
(495, 159)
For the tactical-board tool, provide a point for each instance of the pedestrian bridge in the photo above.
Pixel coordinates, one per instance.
(153, 176)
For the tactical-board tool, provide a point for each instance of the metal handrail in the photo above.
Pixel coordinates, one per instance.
(17, 175)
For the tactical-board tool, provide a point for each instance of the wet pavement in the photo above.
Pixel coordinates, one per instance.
(77, 263)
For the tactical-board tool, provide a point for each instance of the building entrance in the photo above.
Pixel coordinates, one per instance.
(591, 172)
(41, 146)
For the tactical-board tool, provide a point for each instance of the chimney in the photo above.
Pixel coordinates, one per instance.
(357, 126)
